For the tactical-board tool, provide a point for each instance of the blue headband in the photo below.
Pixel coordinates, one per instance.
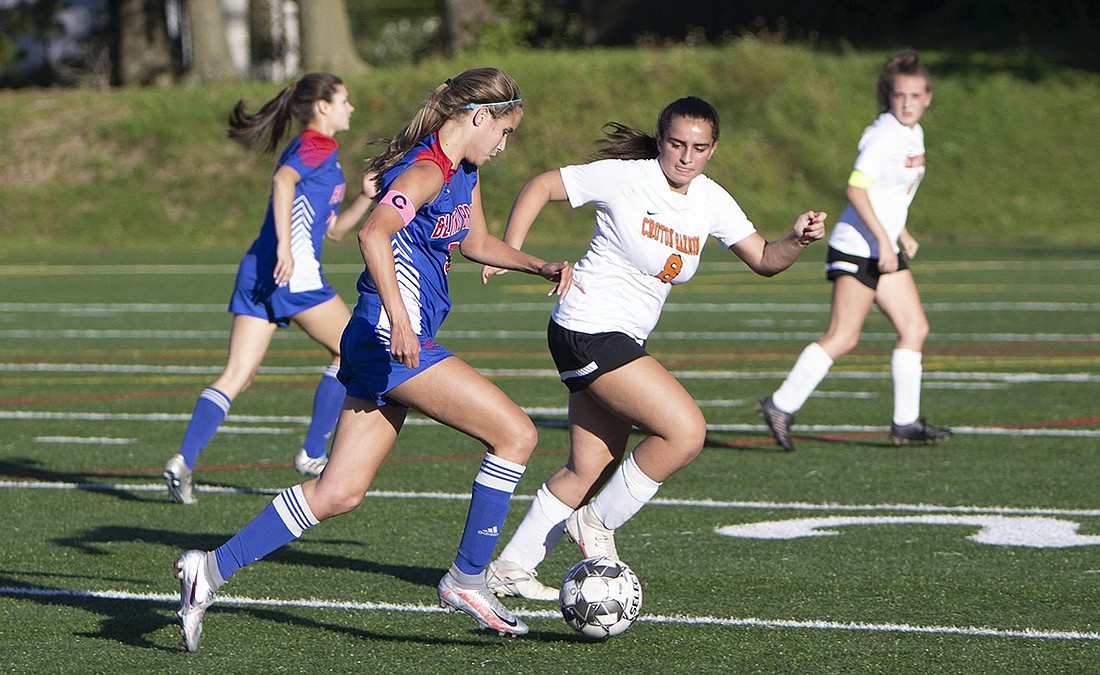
(471, 106)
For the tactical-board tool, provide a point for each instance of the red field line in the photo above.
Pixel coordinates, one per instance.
(827, 438)
(1079, 422)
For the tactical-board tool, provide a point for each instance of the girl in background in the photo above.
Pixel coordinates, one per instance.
(867, 261)
(280, 279)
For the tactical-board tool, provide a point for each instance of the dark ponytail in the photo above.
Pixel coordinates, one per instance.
(295, 101)
(623, 142)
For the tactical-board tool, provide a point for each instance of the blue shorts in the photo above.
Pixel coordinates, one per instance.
(261, 298)
(279, 306)
(369, 371)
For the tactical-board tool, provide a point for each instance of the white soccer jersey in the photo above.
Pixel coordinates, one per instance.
(647, 238)
(892, 156)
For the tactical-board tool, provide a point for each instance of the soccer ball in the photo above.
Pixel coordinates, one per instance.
(600, 597)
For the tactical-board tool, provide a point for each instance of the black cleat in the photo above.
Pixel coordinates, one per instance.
(919, 431)
(779, 422)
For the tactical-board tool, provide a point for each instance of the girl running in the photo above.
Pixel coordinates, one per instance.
(431, 204)
(280, 279)
(655, 209)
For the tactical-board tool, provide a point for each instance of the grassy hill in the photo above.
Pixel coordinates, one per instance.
(1011, 145)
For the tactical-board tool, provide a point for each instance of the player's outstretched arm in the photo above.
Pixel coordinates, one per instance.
(495, 254)
(533, 196)
(768, 258)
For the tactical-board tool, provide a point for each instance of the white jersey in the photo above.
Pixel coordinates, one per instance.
(647, 238)
(891, 156)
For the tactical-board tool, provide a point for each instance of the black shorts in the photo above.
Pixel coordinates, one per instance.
(865, 270)
(582, 357)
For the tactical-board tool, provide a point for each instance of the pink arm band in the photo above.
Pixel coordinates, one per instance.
(401, 203)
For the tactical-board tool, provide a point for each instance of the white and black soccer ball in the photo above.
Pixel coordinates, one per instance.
(600, 597)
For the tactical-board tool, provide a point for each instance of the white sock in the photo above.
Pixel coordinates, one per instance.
(809, 370)
(540, 531)
(625, 494)
(905, 366)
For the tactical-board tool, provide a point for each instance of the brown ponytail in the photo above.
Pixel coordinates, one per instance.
(489, 86)
(623, 142)
(295, 101)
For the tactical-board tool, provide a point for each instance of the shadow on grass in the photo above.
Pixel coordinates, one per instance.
(99, 483)
(95, 541)
(136, 622)
(131, 622)
(762, 445)
(21, 467)
(767, 445)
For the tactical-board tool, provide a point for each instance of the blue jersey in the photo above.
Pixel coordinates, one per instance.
(317, 197)
(422, 249)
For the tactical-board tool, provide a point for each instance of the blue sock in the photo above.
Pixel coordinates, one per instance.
(281, 522)
(210, 410)
(493, 488)
(327, 401)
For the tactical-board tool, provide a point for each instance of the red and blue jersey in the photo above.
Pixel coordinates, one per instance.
(422, 249)
(317, 198)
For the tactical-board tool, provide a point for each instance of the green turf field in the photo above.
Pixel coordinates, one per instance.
(979, 555)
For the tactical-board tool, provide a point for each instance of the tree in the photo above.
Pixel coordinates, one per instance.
(326, 38)
(154, 46)
(211, 60)
(462, 22)
(141, 50)
(273, 27)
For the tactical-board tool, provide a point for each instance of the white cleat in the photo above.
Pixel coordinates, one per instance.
(591, 536)
(309, 466)
(480, 603)
(180, 481)
(506, 578)
(196, 595)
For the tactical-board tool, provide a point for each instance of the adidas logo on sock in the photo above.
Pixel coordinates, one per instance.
(490, 531)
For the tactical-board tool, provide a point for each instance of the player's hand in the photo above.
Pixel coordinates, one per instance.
(562, 274)
(488, 271)
(370, 189)
(909, 244)
(887, 261)
(284, 266)
(810, 227)
(405, 346)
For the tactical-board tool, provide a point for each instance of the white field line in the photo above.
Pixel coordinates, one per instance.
(158, 486)
(87, 440)
(713, 268)
(116, 308)
(945, 376)
(538, 412)
(724, 622)
(685, 336)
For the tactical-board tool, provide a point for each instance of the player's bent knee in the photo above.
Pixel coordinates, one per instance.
(688, 440)
(530, 437)
(517, 441)
(690, 450)
(234, 384)
(840, 347)
(330, 503)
